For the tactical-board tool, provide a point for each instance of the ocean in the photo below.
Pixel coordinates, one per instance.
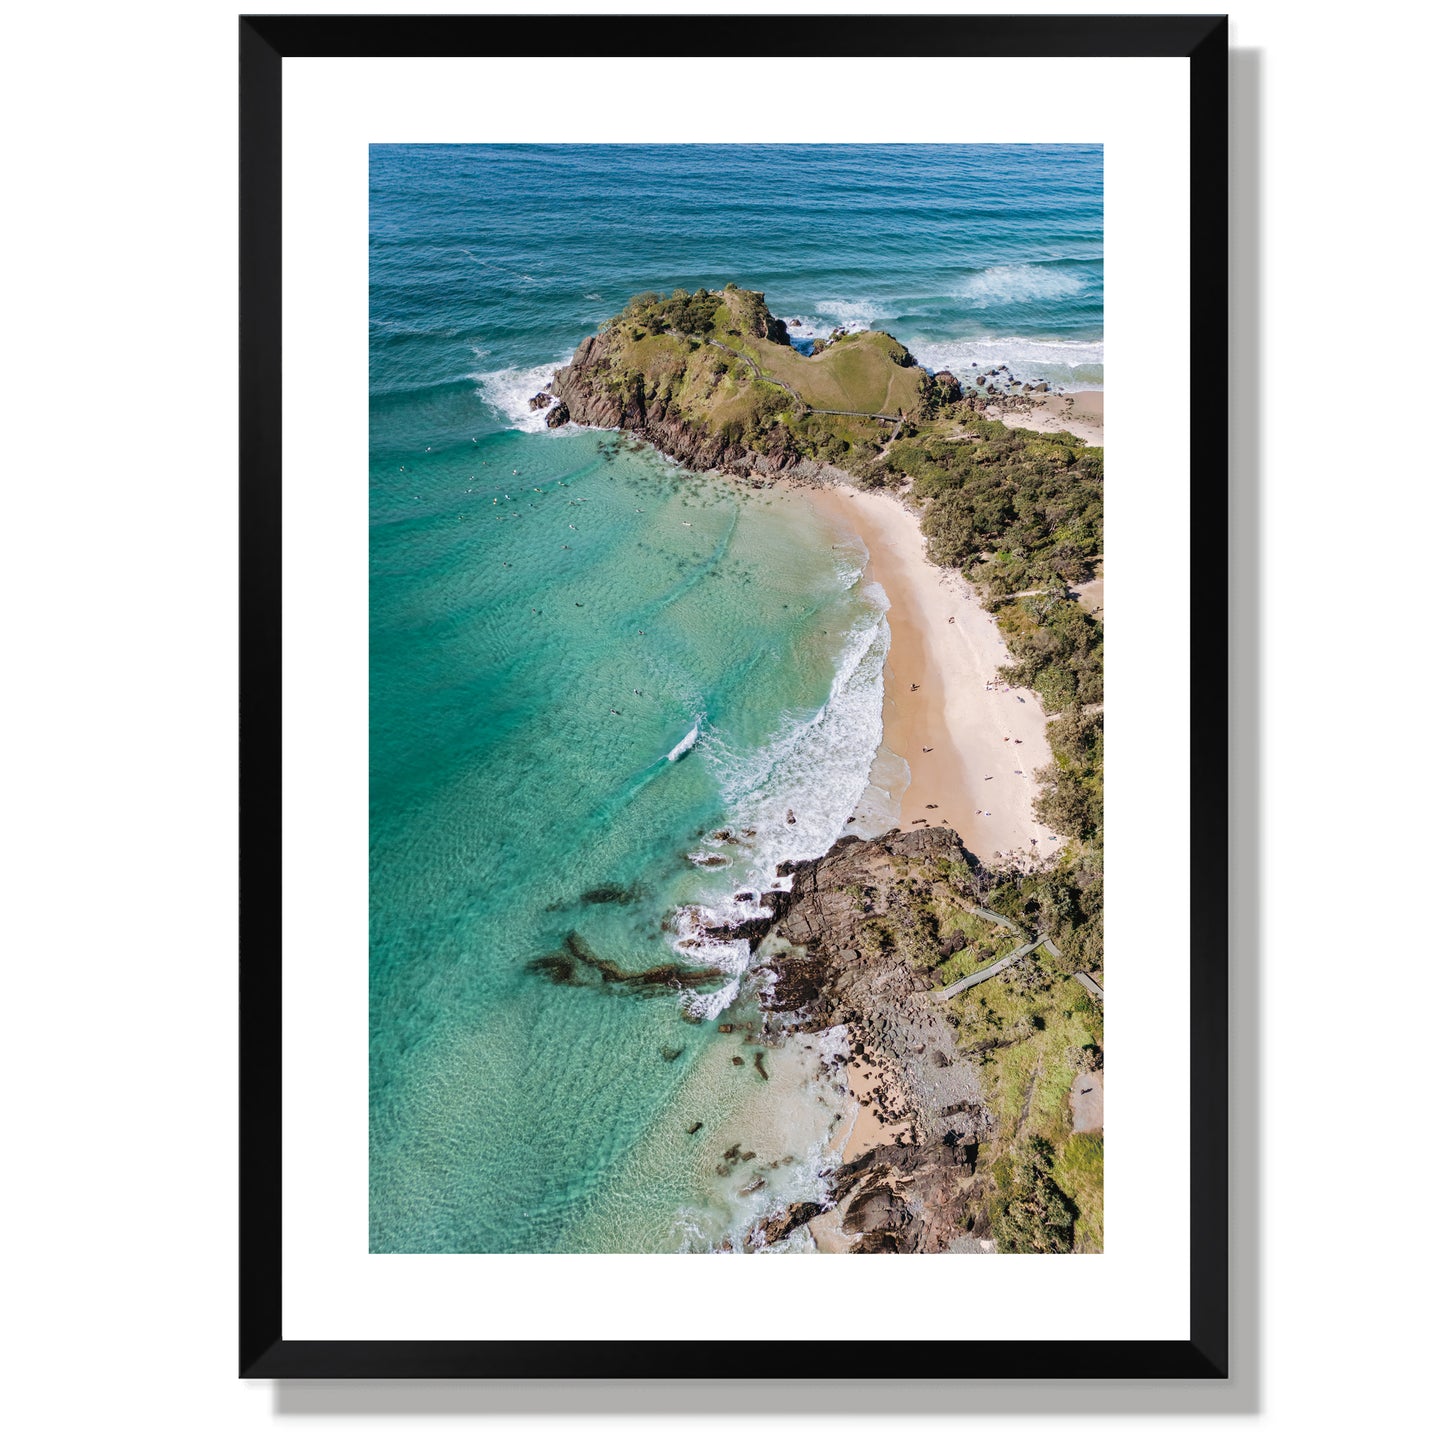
(602, 685)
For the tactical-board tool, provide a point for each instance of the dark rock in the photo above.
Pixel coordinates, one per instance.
(737, 1059)
(671, 1055)
(558, 967)
(693, 1128)
(559, 415)
(754, 1186)
(664, 976)
(725, 1028)
(752, 930)
(608, 893)
(758, 1065)
(777, 1227)
(876, 1209)
(792, 816)
(541, 399)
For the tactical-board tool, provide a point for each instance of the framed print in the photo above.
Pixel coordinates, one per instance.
(673, 866)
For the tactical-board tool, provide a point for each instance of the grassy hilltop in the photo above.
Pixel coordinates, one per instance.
(718, 363)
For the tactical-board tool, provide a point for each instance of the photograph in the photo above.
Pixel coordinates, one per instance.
(736, 698)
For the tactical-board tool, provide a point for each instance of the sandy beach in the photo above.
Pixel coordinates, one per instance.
(1078, 412)
(971, 751)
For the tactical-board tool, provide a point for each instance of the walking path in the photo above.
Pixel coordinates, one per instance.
(942, 995)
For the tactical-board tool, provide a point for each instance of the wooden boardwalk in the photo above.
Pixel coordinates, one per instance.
(942, 995)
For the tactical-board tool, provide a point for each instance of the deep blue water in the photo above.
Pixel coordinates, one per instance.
(585, 660)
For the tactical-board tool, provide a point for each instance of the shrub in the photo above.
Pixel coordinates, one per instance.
(1031, 1214)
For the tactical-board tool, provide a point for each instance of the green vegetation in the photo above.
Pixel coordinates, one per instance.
(720, 360)
(1072, 800)
(1030, 1214)
(1015, 508)
(1079, 1171)
(987, 941)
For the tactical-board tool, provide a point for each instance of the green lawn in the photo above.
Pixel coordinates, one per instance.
(859, 373)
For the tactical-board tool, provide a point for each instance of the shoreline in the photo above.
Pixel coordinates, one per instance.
(1078, 412)
(980, 785)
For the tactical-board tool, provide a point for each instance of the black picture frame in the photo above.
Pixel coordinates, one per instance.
(264, 42)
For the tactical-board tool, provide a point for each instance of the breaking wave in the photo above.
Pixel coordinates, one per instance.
(510, 390)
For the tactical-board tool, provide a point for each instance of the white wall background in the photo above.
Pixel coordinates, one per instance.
(119, 578)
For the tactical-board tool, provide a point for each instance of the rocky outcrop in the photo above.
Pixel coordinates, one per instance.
(910, 1198)
(776, 330)
(777, 1227)
(594, 392)
(576, 965)
(591, 396)
(946, 387)
(861, 954)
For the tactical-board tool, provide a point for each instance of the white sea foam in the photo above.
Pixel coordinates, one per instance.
(1073, 365)
(686, 745)
(856, 313)
(1005, 285)
(816, 768)
(511, 389)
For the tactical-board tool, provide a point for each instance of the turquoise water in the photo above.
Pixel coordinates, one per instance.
(585, 661)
